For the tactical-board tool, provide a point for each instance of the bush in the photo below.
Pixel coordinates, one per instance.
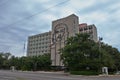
(84, 72)
(111, 71)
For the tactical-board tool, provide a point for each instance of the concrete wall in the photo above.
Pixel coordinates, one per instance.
(39, 44)
(65, 27)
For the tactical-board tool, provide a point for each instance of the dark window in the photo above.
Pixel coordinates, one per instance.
(80, 29)
(85, 28)
(90, 27)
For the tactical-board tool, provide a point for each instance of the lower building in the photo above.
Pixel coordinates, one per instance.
(90, 29)
(39, 44)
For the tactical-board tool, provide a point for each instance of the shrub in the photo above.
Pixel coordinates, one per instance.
(84, 72)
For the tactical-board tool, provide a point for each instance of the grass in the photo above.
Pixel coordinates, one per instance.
(84, 72)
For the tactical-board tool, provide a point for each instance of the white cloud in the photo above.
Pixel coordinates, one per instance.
(47, 17)
(42, 1)
(97, 17)
(114, 6)
(116, 15)
(17, 49)
(81, 4)
(112, 37)
(105, 19)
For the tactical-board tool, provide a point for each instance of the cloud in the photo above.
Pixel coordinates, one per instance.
(103, 13)
(112, 38)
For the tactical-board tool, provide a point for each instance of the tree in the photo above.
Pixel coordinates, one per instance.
(41, 62)
(1, 60)
(4, 60)
(114, 53)
(82, 53)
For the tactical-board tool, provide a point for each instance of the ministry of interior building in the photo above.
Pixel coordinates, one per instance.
(52, 41)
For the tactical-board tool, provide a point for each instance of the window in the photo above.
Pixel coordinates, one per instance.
(80, 29)
(36, 47)
(90, 27)
(85, 28)
(74, 21)
(91, 32)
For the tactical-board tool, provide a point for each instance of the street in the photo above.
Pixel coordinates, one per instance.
(19, 75)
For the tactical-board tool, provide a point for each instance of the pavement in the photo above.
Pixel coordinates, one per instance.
(43, 75)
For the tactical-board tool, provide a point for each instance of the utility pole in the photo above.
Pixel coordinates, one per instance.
(24, 48)
(100, 55)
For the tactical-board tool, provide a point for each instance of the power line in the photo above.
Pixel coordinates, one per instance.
(36, 13)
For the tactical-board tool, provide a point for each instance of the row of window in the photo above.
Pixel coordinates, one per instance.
(39, 39)
(40, 36)
(42, 51)
(85, 28)
(88, 31)
(42, 47)
(39, 44)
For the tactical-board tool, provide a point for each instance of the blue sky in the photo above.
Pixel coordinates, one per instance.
(15, 28)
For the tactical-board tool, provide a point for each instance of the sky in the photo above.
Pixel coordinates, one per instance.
(22, 18)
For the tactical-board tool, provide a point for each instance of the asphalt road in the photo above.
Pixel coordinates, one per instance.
(19, 75)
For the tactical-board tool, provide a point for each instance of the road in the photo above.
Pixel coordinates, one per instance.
(19, 75)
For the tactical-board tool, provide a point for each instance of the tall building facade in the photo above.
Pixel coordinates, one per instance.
(61, 30)
(90, 29)
(39, 44)
(52, 42)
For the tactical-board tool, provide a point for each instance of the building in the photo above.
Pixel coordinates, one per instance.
(52, 42)
(90, 29)
(39, 44)
(61, 30)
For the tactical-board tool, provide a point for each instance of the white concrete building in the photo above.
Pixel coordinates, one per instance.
(39, 44)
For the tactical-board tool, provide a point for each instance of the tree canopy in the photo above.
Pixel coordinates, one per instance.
(41, 62)
(82, 53)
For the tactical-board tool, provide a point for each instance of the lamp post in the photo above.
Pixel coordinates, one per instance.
(100, 39)
(100, 56)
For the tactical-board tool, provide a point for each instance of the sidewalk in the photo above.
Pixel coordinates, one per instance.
(67, 74)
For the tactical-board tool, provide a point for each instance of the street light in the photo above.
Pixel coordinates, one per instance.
(104, 69)
(100, 56)
(100, 39)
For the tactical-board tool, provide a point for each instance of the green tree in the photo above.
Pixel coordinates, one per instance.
(4, 60)
(41, 62)
(82, 53)
(114, 53)
(1, 60)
